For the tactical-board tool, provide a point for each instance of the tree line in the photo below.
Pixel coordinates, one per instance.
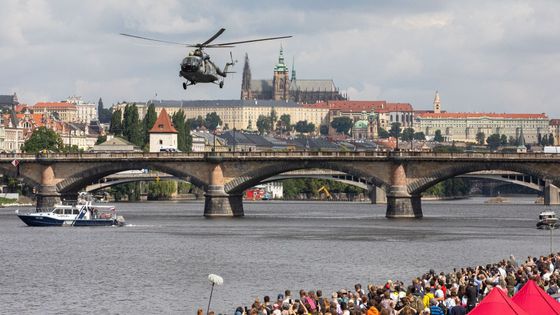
(130, 127)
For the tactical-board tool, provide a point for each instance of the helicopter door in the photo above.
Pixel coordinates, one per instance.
(191, 64)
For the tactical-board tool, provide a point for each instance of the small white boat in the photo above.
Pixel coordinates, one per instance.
(547, 220)
(85, 214)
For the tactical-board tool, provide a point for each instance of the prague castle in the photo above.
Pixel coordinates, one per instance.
(282, 87)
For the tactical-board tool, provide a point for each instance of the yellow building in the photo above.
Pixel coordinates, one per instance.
(64, 111)
(465, 126)
(238, 114)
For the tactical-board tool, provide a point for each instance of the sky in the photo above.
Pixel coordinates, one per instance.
(482, 56)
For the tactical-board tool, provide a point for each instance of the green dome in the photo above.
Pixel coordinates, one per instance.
(361, 124)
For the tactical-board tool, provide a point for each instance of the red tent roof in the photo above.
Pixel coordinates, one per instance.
(163, 124)
(534, 300)
(497, 302)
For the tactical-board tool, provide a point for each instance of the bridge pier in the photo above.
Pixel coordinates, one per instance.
(551, 194)
(377, 195)
(47, 197)
(400, 204)
(217, 202)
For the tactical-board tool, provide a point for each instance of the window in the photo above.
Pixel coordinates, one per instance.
(160, 141)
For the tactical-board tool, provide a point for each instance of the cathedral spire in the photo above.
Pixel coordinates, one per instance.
(293, 79)
(437, 103)
(246, 80)
(281, 66)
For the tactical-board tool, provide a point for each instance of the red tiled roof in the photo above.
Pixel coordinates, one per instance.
(357, 106)
(163, 124)
(481, 115)
(54, 105)
(399, 107)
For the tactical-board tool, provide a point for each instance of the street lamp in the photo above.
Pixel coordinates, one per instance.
(234, 139)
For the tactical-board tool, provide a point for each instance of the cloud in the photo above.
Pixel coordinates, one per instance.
(498, 55)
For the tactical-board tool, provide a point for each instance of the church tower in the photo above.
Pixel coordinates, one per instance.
(246, 93)
(280, 82)
(437, 104)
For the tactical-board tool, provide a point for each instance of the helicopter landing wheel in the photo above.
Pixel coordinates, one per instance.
(221, 84)
(184, 85)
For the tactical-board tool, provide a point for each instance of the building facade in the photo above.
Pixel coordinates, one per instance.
(85, 112)
(238, 114)
(63, 111)
(284, 87)
(163, 136)
(465, 126)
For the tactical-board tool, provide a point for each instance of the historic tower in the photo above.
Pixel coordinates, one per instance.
(437, 104)
(246, 93)
(281, 81)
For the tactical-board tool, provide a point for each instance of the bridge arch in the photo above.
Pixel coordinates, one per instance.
(11, 170)
(90, 175)
(419, 185)
(256, 176)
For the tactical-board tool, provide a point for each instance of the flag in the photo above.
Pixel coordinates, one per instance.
(15, 163)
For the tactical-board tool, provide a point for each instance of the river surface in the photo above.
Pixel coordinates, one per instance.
(159, 263)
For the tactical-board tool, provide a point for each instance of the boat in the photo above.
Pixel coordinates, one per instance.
(547, 220)
(81, 214)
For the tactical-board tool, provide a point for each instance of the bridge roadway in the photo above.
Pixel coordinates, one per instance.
(224, 176)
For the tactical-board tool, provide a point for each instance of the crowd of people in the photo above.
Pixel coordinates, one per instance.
(454, 293)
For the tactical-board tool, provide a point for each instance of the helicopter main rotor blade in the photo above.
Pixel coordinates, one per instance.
(218, 33)
(157, 40)
(246, 41)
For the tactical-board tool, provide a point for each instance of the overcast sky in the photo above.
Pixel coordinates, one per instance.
(482, 56)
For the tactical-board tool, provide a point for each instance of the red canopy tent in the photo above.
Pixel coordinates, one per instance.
(535, 301)
(497, 302)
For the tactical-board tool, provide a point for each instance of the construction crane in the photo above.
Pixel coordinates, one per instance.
(326, 191)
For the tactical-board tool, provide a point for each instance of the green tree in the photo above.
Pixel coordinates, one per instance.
(285, 122)
(395, 130)
(382, 133)
(116, 127)
(512, 141)
(264, 124)
(303, 126)
(544, 140)
(212, 121)
(494, 141)
(161, 190)
(480, 136)
(104, 114)
(407, 134)
(503, 140)
(437, 136)
(132, 128)
(342, 124)
(43, 139)
(324, 130)
(184, 138)
(101, 139)
(419, 136)
(148, 122)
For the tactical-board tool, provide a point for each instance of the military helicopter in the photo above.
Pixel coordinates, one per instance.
(197, 66)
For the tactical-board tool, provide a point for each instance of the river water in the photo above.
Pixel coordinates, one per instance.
(159, 263)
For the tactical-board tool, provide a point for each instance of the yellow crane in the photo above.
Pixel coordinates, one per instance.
(326, 191)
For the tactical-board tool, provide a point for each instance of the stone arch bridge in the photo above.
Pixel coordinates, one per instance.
(224, 176)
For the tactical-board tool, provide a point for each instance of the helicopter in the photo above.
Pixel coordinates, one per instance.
(197, 67)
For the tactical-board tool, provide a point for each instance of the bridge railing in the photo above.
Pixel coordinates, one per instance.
(348, 154)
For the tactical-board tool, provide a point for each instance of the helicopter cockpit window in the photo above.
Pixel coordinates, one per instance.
(191, 63)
